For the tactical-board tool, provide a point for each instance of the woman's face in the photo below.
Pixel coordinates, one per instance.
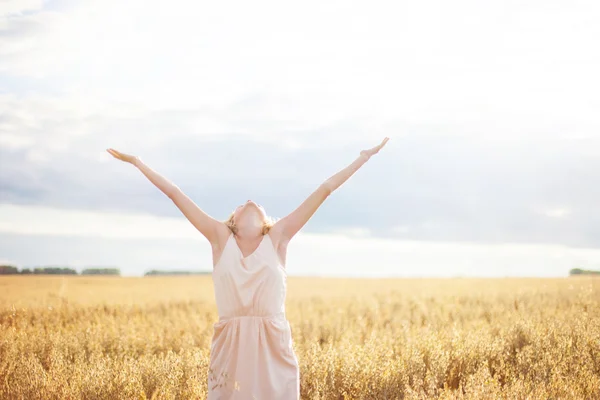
(247, 208)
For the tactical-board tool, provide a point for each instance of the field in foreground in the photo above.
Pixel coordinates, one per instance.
(141, 338)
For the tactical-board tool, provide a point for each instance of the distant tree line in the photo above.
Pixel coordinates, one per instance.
(101, 271)
(579, 271)
(12, 270)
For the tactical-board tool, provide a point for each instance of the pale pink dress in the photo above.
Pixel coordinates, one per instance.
(251, 355)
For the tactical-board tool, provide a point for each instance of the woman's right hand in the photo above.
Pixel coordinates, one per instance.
(122, 156)
(368, 153)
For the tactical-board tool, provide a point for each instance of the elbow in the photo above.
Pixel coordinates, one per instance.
(172, 191)
(327, 187)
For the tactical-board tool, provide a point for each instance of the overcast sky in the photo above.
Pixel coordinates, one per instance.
(492, 168)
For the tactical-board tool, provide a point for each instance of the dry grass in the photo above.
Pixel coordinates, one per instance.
(142, 338)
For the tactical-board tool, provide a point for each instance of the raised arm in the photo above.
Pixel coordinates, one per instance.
(206, 224)
(289, 225)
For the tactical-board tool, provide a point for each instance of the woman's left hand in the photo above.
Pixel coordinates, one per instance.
(122, 156)
(375, 149)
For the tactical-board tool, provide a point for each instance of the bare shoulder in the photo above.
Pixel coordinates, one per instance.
(276, 234)
(223, 233)
(280, 242)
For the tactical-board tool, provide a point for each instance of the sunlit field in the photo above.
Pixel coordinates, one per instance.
(140, 338)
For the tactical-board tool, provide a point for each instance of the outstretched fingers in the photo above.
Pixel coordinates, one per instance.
(384, 142)
(380, 145)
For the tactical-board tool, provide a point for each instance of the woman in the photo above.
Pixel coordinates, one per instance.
(251, 353)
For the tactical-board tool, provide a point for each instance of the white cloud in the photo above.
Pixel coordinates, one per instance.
(18, 6)
(40, 220)
(354, 232)
(558, 212)
(13, 141)
(473, 62)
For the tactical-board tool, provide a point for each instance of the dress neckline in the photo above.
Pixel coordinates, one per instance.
(255, 250)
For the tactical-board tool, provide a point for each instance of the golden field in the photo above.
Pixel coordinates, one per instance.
(463, 338)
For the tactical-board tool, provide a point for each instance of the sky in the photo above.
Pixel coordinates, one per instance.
(491, 170)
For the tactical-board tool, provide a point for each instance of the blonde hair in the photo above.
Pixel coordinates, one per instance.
(267, 224)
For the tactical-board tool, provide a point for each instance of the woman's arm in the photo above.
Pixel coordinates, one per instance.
(289, 225)
(206, 224)
(165, 185)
